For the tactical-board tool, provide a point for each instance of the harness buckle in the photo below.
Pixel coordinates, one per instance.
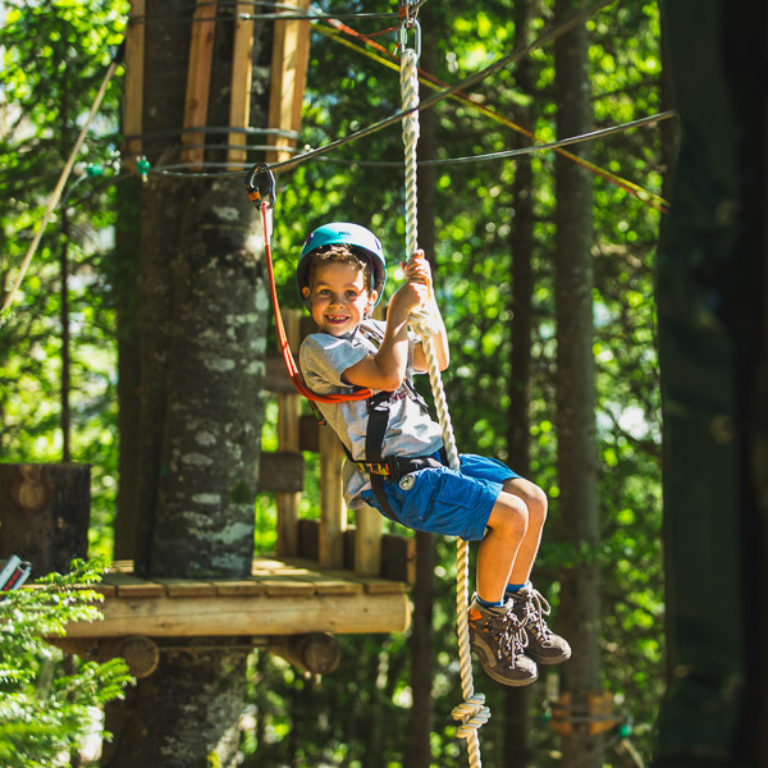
(377, 468)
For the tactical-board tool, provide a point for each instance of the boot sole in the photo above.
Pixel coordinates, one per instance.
(548, 661)
(500, 678)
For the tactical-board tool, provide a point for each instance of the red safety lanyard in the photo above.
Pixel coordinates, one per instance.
(362, 393)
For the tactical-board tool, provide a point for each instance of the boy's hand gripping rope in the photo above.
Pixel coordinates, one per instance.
(472, 712)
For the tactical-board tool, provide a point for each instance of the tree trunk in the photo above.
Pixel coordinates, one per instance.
(712, 293)
(45, 510)
(125, 276)
(579, 613)
(517, 742)
(202, 318)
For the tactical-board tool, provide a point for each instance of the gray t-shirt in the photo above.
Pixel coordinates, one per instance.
(410, 431)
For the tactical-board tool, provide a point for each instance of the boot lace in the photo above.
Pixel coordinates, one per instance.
(509, 633)
(534, 609)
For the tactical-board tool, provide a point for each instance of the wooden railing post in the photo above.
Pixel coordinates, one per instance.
(368, 528)
(333, 520)
(289, 410)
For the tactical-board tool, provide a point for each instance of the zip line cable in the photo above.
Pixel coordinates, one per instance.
(583, 137)
(444, 92)
(655, 201)
(169, 170)
(477, 77)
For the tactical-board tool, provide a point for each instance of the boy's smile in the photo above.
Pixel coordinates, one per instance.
(338, 297)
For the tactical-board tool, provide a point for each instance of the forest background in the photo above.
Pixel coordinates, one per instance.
(59, 350)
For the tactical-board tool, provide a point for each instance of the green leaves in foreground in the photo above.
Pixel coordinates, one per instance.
(46, 701)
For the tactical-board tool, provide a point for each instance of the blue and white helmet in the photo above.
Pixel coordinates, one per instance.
(343, 233)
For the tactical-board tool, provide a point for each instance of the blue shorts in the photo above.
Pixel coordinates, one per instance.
(441, 500)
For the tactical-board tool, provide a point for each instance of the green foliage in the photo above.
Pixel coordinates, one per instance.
(54, 56)
(46, 703)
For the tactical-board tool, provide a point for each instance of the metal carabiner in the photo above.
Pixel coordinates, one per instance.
(263, 187)
(408, 22)
(404, 27)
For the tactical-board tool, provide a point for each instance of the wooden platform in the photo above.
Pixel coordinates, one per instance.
(282, 597)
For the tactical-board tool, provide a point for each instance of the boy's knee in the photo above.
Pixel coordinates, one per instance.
(534, 498)
(509, 517)
(537, 504)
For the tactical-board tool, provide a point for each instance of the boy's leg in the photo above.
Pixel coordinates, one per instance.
(499, 549)
(535, 501)
(544, 646)
(497, 635)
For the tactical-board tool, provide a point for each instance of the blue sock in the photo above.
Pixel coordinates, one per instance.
(487, 604)
(512, 588)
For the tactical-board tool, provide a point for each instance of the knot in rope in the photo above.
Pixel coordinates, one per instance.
(472, 714)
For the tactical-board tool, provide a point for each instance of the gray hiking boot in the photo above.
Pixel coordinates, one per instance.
(498, 638)
(544, 646)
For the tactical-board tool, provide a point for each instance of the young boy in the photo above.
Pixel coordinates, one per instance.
(397, 463)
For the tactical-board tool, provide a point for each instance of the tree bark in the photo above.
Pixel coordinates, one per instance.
(202, 320)
(579, 613)
(125, 277)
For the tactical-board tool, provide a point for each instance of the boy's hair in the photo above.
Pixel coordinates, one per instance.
(340, 253)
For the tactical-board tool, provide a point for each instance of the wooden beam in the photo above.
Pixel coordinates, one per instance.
(198, 80)
(290, 57)
(289, 411)
(318, 653)
(253, 615)
(133, 89)
(240, 91)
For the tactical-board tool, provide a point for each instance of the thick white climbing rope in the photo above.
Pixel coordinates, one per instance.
(472, 712)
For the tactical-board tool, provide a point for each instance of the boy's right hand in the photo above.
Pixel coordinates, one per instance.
(409, 297)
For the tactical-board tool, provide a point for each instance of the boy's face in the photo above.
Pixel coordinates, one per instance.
(338, 297)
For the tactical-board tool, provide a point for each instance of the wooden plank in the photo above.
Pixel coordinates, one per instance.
(232, 587)
(374, 586)
(133, 84)
(385, 587)
(334, 513)
(257, 615)
(281, 472)
(288, 587)
(198, 80)
(177, 587)
(328, 584)
(121, 566)
(240, 92)
(130, 586)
